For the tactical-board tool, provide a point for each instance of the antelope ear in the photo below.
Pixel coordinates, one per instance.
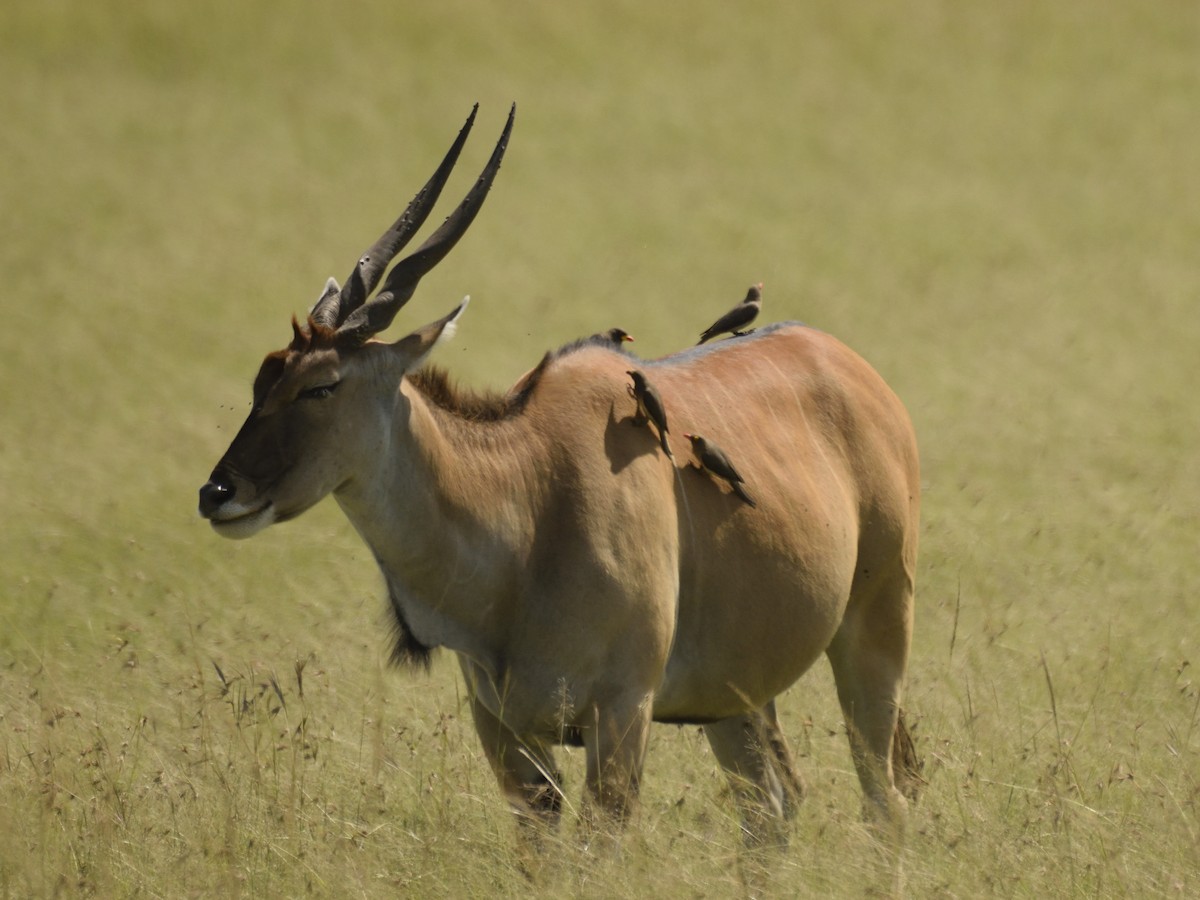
(331, 289)
(416, 347)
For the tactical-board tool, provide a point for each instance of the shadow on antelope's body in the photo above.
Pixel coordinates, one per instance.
(587, 586)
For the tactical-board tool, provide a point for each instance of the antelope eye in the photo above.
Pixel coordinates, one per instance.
(320, 392)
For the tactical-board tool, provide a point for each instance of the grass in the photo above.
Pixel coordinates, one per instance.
(998, 207)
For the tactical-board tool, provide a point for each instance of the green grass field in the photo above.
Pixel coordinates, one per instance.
(998, 205)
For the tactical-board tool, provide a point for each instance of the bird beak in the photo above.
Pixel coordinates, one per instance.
(628, 337)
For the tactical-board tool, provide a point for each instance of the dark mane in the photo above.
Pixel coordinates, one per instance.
(436, 386)
(478, 406)
(407, 649)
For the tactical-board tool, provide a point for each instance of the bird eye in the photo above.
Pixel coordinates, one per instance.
(320, 392)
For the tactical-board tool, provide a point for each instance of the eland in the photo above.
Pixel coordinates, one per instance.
(588, 584)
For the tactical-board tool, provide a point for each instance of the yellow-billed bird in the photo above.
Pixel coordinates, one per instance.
(616, 336)
(737, 318)
(649, 407)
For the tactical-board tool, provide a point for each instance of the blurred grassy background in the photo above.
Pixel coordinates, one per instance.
(998, 206)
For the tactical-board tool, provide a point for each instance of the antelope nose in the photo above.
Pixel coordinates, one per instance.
(213, 495)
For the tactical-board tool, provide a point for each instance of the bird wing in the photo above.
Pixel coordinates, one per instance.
(718, 463)
(654, 407)
(742, 314)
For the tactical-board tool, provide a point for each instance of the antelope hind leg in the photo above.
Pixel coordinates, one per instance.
(869, 655)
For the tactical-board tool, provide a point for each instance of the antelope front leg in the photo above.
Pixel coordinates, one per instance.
(525, 771)
(744, 750)
(615, 742)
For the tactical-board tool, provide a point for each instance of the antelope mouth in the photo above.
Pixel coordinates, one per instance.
(237, 524)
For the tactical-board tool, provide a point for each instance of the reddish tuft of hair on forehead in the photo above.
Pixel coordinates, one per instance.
(311, 336)
(306, 338)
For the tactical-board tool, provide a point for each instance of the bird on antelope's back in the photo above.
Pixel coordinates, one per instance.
(649, 407)
(713, 460)
(615, 336)
(736, 320)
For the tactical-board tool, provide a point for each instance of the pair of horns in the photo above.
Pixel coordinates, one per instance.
(347, 309)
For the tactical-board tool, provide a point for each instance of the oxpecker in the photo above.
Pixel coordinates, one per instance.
(649, 407)
(616, 336)
(712, 459)
(736, 320)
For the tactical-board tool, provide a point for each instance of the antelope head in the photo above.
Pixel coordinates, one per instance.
(292, 449)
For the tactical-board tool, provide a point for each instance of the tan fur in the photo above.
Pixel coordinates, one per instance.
(588, 585)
